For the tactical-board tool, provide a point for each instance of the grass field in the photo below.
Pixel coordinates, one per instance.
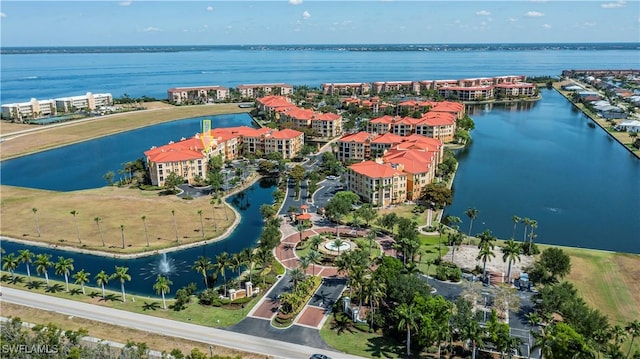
(45, 137)
(115, 206)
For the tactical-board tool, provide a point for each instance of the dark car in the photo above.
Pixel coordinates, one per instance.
(319, 356)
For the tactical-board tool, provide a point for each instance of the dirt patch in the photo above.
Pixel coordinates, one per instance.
(466, 256)
(114, 333)
(10, 127)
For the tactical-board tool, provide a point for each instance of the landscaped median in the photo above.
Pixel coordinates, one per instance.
(292, 303)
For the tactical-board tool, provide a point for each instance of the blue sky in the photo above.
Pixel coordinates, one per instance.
(84, 23)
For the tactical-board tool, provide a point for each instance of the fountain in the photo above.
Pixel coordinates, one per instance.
(332, 246)
(165, 266)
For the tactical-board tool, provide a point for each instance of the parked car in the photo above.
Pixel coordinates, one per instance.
(319, 356)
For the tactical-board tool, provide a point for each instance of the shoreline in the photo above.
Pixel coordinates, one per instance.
(222, 236)
(499, 102)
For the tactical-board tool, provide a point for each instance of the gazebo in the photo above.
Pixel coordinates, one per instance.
(304, 217)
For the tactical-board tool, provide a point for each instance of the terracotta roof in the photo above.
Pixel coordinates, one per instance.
(190, 149)
(384, 119)
(359, 137)
(517, 84)
(299, 113)
(215, 87)
(388, 138)
(326, 117)
(373, 169)
(415, 138)
(437, 119)
(286, 134)
(304, 216)
(413, 161)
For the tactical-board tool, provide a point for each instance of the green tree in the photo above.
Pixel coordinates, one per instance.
(202, 265)
(314, 257)
(455, 240)
(388, 221)
(267, 211)
(26, 256)
(81, 277)
(297, 276)
(35, 216)
(162, 286)
(201, 223)
(515, 220)
(122, 275)
(337, 243)
(43, 262)
(633, 329)
(485, 254)
(510, 253)
(249, 257)
(472, 213)
(98, 220)
(64, 266)
(367, 213)
(556, 262)
(102, 279)
(222, 262)
(74, 213)
(315, 241)
(172, 181)
(407, 320)
(10, 263)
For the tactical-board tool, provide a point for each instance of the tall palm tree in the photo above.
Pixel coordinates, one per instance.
(453, 222)
(371, 236)
(43, 262)
(526, 222)
(485, 254)
(222, 262)
(375, 291)
(64, 266)
(475, 333)
(162, 286)
(304, 263)
(26, 256)
(486, 238)
(122, 234)
(74, 213)
(98, 220)
(10, 262)
(472, 213)
(235, 263)
(122, 275)
(315, 241)
(35, 216)
(408, 319)
(81, 277)
(313, 256)
(201, 222)
(213, 214)
(455, 240)
(633, 328)
(102, 279)
(338, 243)
(248, 257)
(202, 265)
(297, 276)
(533, 224)
(146, 233)
(511, 252)
(441, 229)
(175, 224)
(515, 220)
(264, 257)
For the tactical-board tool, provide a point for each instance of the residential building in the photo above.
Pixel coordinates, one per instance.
(418, 165)
(327, 125)
(515, 89)
(197, 94)
(354, 147)
(356, 88)
(260, 90)
(273, 104)
(88, 101)
(629, 126)
(476, 93)
(378, 183)
(405, 87)
(438, 125)
(32, 109)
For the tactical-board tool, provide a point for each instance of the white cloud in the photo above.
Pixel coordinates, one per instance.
(512, 19)
(295, 2)
(614, 5)
(151, 29)
(306, 15)
(229, 27)
(483, 13)
(547, 26)
(125, 3)
(534, 14)
(589, 24)
(3, 14)
(209, 8)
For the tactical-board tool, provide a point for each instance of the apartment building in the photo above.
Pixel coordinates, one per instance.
(260, 90)
(393, 86)
(377, 183)
(355, 88)
(438, 125)
(88, 101)
(273, 104)
(418, 165)
(197, 94)
(475, 93)
(515, 89)
(354, 147)
(326, 125)
(32, 109)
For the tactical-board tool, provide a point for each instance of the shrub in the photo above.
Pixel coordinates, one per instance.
(188, 198)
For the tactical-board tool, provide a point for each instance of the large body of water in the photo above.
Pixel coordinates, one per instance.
(542, 162)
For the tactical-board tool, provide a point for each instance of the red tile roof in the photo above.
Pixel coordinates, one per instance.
(373, 169)
(286, 134)
(359, 137)
(516, 85)
(186, 150)
(384, 119)
(388, 138)
(413, 161)
(437, 119)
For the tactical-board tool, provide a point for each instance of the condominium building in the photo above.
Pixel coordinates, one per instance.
(197, 94)
(29, 110)
(419, 166)
(515, 89)
(354, 147)
(88, 101)
(259, 90)
(461, 93)
(438, 125)
(356, 88)
(326, 125)
(377, 183)
(393, 86)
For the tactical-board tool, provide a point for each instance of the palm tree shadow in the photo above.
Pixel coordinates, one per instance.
(94, 294)
(342, 324)
(16, 280)
(380, 347)
(35, 284)
(55, 288)
(151, 306)
(75, 291)
(110, 298)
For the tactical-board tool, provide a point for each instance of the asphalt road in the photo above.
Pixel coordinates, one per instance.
(216, 337)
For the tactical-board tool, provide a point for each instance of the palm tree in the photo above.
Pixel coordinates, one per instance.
(74, 213)
(202, 265)
(201, 222)
(162, 286)
(533, 224)
(102, 279)
(375, 292)
(484, 254)
(441, 229)
(313, 256)
(122, 234)
(35, 216)
(122, 275)
(222, 262)
(515, 220)
(304, 263)
(10, 262)
(455, 239)
(453, 222)
(81, 277)
(97, 220)
(26, 256)
(633, 328)
(526, 222)
(486, 238)
(213, 214)
(371, 236)
(64, 266)
(475, 334)
(511, 252)
(146, 233)
(175, 224)
(264, 256)
(338, 243)
(297, 276)
(43, 262)
(408, 318)
(235, 263)
(472, 213)
(315, 241)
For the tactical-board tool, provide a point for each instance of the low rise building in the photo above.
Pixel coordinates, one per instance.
(355, 88)
(377, 183)
(260, 90)
(88, 101)
(197, 94)
(29, 110)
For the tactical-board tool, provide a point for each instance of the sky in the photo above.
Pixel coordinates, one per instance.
(114, 23)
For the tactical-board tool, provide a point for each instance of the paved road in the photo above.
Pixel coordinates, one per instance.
(217, 337)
